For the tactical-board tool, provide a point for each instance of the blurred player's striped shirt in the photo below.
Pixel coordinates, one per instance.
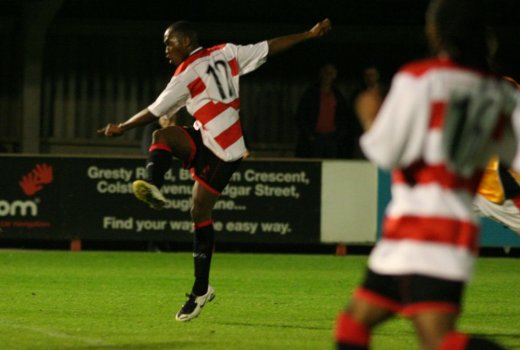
(429, 225)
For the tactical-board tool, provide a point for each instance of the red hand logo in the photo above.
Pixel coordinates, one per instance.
(33, 181)
(43, 173)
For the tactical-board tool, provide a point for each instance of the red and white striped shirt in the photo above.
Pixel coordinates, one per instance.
(207, 83)
(429, 225)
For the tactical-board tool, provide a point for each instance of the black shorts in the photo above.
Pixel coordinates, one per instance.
(206, 168)
(411, 294)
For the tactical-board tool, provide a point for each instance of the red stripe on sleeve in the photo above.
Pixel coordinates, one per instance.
(230, 135)
(437, 115)
(196, 87)
(233, 64)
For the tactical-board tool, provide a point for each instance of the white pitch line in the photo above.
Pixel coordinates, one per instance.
(53, 333)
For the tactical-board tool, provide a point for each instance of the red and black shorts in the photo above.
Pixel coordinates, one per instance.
(411, 294)
(206, 168)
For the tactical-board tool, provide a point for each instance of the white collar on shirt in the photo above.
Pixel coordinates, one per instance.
(197, 49)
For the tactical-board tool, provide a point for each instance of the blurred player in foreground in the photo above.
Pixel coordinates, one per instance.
(425, 134)
(498, 195)
(206, 81)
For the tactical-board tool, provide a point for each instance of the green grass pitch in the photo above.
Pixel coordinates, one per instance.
(116, 300)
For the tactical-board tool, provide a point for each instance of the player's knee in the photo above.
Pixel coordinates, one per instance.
(158, 136)
(176, 138)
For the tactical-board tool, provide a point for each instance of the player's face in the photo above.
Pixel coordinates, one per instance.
(176, 49)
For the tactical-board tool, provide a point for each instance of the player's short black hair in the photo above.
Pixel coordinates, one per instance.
(462, 27)
(185, 28)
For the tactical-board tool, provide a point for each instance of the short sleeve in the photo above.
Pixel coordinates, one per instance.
(250, 57)
(171, 99)
(397, 135)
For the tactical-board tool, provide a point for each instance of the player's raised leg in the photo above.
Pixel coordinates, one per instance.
(167, 143)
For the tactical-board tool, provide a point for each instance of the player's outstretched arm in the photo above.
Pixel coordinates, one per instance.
(140, 118)
(283, 43)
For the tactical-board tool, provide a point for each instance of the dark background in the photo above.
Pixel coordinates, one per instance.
(363, 23)
(365, 20)
(103, 60)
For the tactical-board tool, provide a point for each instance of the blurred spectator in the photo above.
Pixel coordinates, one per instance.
(367, 101)
(324, 123)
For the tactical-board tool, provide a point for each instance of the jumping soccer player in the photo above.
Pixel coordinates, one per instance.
(206, 81)
(420, 266)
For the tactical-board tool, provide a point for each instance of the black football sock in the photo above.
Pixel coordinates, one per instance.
(158, 163)
(204, 240)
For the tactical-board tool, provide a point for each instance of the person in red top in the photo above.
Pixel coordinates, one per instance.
(325, 128)
(440, 123)
(206, 82)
